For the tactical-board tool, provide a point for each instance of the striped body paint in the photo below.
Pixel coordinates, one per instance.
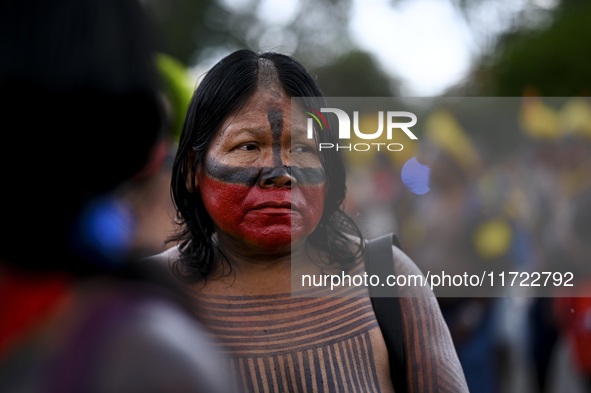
(281, 343)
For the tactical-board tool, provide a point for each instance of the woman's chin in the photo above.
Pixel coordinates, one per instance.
(276, 239)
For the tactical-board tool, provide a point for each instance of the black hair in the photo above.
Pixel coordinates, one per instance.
(81, 113)
(223, 91)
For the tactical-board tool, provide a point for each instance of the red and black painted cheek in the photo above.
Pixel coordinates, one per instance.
(233, 197)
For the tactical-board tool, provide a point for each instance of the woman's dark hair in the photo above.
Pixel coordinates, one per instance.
(225, 88)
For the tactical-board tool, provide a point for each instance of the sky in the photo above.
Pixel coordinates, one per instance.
(426, 44)
(429, 44)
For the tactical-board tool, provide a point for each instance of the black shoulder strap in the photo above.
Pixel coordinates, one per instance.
(386, 305)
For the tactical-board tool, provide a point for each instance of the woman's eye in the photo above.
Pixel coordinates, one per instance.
(302, 149)
(247, 147)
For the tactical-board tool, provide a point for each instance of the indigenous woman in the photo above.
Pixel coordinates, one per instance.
(258, 205)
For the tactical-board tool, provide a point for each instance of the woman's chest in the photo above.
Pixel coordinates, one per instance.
(277, 343)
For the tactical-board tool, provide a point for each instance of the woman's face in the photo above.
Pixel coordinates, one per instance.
(262, 182)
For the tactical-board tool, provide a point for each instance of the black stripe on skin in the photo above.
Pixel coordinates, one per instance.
(249, 375)
(275, 118)
(293, 331)
(342, 369)
(342, 304)
(330, 378)
(309, 374)
(249, 176)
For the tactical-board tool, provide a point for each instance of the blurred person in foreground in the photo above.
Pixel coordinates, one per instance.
(81, 116)
(258, 205)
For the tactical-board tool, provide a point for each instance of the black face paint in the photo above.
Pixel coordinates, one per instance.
(250, 176)
(275, 118)
(267, 177)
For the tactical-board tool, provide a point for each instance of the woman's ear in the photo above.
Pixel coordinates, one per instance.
(192, 176)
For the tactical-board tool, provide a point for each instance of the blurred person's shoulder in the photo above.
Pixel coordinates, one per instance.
(117, 335)
(158, 342)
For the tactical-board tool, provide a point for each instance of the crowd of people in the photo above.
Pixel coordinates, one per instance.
(520, 207)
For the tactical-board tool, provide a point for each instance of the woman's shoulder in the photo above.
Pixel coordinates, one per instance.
(165, 258)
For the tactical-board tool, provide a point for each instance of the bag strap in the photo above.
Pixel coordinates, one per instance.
(386, 305)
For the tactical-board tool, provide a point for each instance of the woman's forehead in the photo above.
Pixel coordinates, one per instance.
(264, 100)
(258, 113)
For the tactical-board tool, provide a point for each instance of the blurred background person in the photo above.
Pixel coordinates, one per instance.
(83, 122)
(150, 195)
(452, 214)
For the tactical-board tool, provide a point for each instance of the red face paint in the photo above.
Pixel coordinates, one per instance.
(267, 218)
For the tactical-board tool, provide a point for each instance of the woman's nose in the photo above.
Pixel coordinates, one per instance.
(278, 177)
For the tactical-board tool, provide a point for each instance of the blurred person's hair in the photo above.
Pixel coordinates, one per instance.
(81, 113)
(223, 92)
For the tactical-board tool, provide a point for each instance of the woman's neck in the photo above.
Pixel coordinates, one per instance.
(255, 271)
